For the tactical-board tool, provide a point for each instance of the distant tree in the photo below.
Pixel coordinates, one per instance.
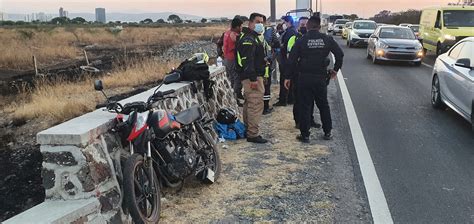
(174, 19)
(78, 20)
(7, 23)
(118, 22)
(388, 17)
(203, 20)
(188, 21)
(353, 17)
(19, 23)
(160, 21)
(60, 20)
(146, 21)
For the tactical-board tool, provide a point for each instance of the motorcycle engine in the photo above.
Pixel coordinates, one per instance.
(183, 159)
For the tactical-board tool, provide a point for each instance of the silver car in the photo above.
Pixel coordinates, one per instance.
(394, 43)
(453, 80)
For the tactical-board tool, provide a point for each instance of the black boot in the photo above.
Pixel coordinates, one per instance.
(327, 136)
(266, 107)
(303, 139)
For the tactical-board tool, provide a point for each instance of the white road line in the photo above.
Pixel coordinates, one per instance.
(427, 65)
(377, 202)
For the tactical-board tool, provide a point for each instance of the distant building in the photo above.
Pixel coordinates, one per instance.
(100, 15)
(61, 12)
(3, 16)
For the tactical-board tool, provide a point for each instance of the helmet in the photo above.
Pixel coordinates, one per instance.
(226, 116)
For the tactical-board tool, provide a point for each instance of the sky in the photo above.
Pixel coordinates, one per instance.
(212, 8)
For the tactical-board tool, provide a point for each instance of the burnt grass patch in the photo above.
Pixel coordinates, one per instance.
(20, 179)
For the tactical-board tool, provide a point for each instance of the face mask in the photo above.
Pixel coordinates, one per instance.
(259, 28)
(303, 30)
(285, 26)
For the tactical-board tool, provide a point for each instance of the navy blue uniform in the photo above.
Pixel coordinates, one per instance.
(308, 59)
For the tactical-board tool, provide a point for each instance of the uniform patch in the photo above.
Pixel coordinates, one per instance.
(316, 43)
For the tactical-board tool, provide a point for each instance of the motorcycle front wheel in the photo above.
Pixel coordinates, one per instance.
(141, 190)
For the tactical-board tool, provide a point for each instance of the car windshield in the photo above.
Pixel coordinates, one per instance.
(397, 33)
(415, 28)
(458, 18)
(341, 21)
(365, 26)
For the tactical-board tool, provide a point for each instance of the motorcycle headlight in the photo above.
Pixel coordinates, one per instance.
(449, 37)
(382, 45)
(141, 120)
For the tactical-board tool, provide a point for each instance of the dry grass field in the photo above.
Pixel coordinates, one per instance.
(54, 45)
(60, 100)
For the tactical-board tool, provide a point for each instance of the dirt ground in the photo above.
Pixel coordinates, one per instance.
(282, 181)
(279, 181)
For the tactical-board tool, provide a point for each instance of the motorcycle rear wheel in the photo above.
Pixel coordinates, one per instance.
(142, 196)
(215, 164)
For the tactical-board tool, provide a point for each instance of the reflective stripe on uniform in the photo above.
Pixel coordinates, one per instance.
(267, 72)
(291, 43)
(239, 59)
(267, 97)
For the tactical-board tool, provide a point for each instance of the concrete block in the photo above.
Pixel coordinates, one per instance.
(59, 212)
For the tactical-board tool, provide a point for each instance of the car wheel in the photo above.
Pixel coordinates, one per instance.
(374, 59)
(417, 64)
(439, 50)
(436, 101)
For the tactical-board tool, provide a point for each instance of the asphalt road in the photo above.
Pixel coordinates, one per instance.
(424, 158)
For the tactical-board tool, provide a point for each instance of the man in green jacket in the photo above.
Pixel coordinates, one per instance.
(250, 65)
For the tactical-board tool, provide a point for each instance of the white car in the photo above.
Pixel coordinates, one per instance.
(360, 32)
(453, 80)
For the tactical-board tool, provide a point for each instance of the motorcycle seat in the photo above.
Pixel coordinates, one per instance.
(188, 116)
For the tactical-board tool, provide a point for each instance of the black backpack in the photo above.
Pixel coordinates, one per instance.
(192, 71)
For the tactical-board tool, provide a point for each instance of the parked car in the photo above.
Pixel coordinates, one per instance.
(346, 30)
(394, 43)
(339, 26)
(453, 80)
(360, 32)
(405, 24)
(381, 24)
(442, 27)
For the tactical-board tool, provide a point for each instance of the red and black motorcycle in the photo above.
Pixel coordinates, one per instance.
(165, 150)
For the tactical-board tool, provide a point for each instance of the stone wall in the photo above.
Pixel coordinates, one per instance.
(82, 158)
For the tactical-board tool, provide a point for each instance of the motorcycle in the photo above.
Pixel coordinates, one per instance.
(165, 149)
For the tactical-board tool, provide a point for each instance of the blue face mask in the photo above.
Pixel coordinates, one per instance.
(259, 28)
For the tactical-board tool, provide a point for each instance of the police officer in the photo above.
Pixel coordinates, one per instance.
(250, 65)
(308, 56)
(287, 41)
(294, 79)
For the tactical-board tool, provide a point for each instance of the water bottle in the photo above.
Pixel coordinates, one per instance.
(219, 61)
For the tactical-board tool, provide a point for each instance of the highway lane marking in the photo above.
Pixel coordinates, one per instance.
(377, 201)
(427, 65)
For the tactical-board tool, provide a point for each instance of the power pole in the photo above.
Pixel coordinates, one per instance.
(273, 11)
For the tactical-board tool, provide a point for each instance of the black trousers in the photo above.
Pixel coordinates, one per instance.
(267, 96)
(313, 88)
(294, 83)
(283, 91)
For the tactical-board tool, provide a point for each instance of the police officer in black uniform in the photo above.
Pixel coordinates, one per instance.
(308, 58)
